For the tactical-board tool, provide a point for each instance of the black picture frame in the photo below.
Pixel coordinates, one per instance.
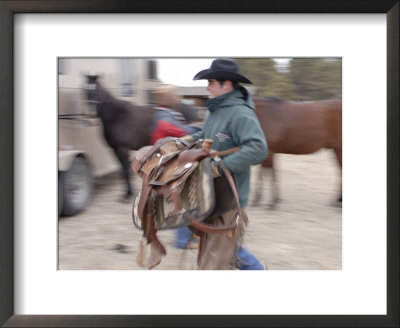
(7, 11)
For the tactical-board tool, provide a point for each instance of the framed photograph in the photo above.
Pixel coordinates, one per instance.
(45, 39)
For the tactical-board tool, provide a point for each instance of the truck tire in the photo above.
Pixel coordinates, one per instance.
(77, 187)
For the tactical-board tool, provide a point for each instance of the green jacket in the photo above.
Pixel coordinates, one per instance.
(231, 122)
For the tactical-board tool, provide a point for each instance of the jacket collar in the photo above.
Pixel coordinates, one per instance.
(235, 97)
(224, 100)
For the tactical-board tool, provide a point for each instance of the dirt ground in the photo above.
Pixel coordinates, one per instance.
(304, 232)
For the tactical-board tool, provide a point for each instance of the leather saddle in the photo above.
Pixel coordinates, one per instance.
(178, 188)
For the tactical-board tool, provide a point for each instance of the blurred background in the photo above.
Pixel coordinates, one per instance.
(95, 227)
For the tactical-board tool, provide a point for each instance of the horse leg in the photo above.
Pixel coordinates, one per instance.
(274, 189)
(269, 162)
(123, 157)
(338, 152)
(259, 184)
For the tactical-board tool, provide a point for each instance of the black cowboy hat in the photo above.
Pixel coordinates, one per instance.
(222, 69)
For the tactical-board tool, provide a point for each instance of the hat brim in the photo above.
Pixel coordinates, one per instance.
(208, 74)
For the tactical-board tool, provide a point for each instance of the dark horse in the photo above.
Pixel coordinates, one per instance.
(125, 126)
(298, 128)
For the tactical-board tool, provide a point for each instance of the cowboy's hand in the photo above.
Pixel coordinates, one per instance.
(215, 170)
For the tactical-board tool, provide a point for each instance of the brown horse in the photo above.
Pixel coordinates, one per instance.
(298, 128)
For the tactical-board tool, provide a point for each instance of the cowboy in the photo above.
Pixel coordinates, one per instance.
(231, 122)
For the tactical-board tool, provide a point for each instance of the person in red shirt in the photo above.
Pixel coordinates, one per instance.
(169, 122)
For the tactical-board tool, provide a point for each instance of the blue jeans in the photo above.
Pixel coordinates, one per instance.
(183, 236)
(247, 261)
